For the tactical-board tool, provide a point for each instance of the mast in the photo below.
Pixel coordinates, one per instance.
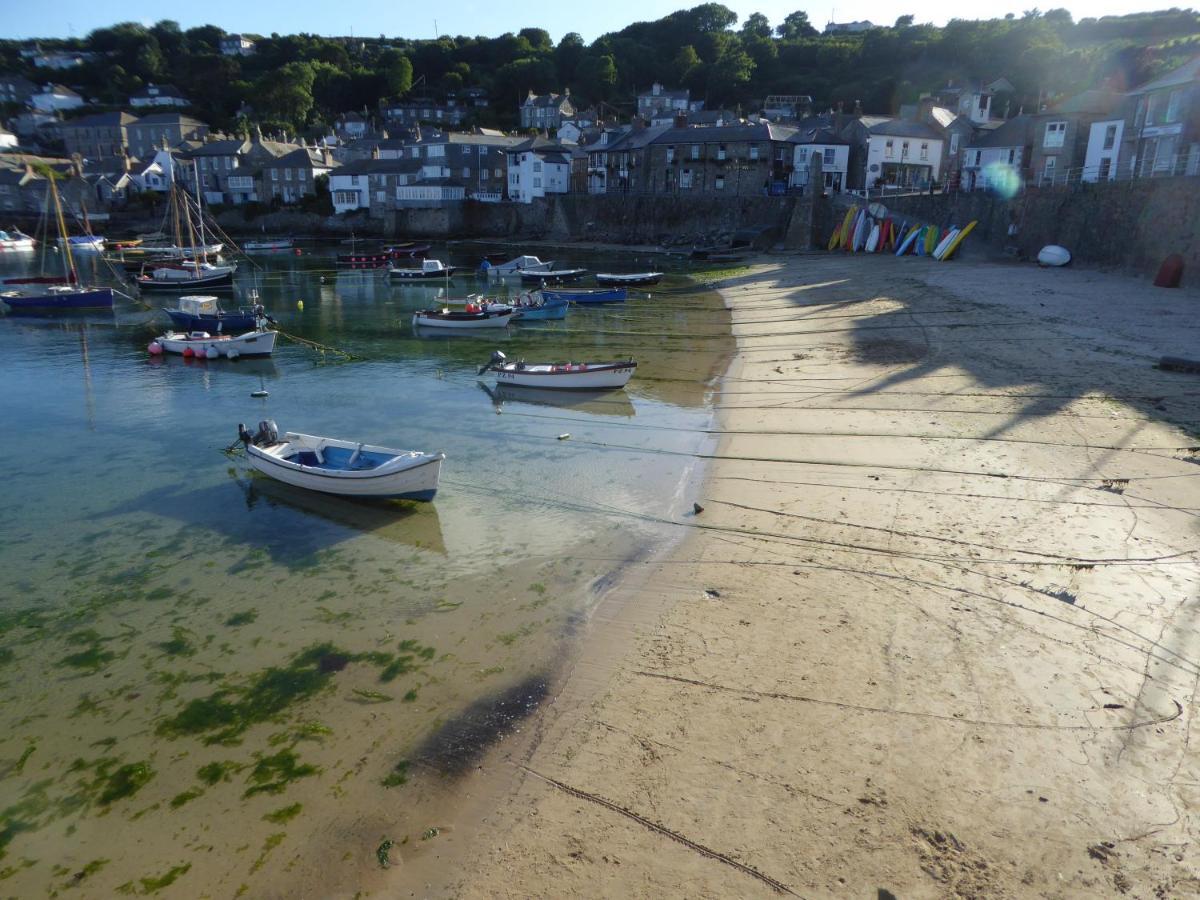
(199, 214)
(68, 259)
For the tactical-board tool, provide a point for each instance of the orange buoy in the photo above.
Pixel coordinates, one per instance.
(1170, 273)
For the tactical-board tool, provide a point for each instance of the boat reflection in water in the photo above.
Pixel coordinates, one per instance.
(397, 521)
(612, 402)
(262, 367)
(488, 334)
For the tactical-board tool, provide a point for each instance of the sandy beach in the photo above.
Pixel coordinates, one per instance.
(932, 633)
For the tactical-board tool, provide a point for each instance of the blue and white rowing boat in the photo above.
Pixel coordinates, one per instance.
(540, 310)
(604, 295)
(346, 468)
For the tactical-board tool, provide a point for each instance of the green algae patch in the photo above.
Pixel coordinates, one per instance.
(125, 782)
(94, 658)
(242, 618)
(283, 815)
(216, 772)
(186, 797)
(269, 844)
(272, 774)
(225, 715)
(154, 884)
(383, 852)
(398, 775)
(179, 644)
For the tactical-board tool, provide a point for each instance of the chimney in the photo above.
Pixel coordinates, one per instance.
(925, 109)
(681, 119)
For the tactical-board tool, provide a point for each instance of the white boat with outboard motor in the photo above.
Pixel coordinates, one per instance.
(203, 345)
(346, 468)
(570, 376)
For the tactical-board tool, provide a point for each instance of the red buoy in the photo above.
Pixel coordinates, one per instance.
(187, 352)
(1170, 273)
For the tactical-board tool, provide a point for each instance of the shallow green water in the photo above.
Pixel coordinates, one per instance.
(214, 682)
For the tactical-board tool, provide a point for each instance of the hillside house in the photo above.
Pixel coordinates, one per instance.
(158, 95)
(819, 138)
(237, 45)
(896, 153)
(147, 134)
(1061, 136)
(98, 136)
(1164, 135)
(538, 167)
(546, 112)
(55, 98)
(999, 159)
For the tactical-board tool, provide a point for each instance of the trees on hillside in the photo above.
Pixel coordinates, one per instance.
(304, 79)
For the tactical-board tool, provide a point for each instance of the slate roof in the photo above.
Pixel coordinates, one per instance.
(903, 128)
(767, 131)
(100, 120)
(1188, 73)
(300, 157)
(546, 100)
(167, 118)
(1013, 133)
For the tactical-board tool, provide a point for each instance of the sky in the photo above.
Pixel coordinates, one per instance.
(75, 18)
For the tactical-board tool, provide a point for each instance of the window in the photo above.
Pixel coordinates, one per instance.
(953, 144)
(978, 157)
(1106, 168)
(287, 174)
(1174, 101)
(466, 172)
(381, 196)
(904, 150)
(754, 151)
(670, 154)
(829, 157)
(1048, 172)
(719, 183)
(435, 150)
(888, 149)
(924, 150)
(1110, 137)
(537, 167)
(721, 151)
(695, 151)
(1056, 133)
(274, 174)
(537, 182)
(1012, 155)
(685, 178)
(499, 173)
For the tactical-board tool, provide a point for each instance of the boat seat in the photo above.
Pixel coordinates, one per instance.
(309, 458)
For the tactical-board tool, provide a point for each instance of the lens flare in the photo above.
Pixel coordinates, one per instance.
(1002, 179)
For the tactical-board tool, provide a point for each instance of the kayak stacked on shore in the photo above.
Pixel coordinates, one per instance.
(870, 229)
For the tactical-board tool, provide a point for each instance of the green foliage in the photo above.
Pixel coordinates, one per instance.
(302, 80)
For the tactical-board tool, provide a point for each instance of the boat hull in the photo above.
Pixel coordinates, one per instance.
(225, 323)
(421, 275)
(416, 481)
(95, 298)
(552, 276)
(647, 278)
(261, 246)
(579, 377)
(432, 319)
(208, 282)
(551, 309)
(612, 295)
(257, 343)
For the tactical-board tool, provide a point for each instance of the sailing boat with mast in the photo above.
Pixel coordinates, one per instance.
(54, 292)
(197, 272)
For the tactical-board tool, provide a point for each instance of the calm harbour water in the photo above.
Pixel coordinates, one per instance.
(214, 683)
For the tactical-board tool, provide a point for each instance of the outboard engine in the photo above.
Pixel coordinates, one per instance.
(498, 359)
(268, 433)
(244, 435)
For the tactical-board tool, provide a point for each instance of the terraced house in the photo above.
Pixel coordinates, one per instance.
(727, 160)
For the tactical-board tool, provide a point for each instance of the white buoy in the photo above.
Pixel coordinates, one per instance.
(212, 353)
(233, 353)
(258, 394)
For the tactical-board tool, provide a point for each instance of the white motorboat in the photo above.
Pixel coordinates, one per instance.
(16, 242)
(214, 346)
(84, 242)
(485, 315)
(264, 245)
(561, 376)
(346, 468)
(514, 267)
(430, 269)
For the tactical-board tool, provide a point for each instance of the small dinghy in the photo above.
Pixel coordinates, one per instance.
(267, 245)
(346, 468)
(634, 279)
(560, 376)
(430, 269)
(585, 296)
(474, 315)
(529, 309)
(551, 276)
(1053, 255)
(203, 345)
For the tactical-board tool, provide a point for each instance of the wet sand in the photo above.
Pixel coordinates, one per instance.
(934, 632)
